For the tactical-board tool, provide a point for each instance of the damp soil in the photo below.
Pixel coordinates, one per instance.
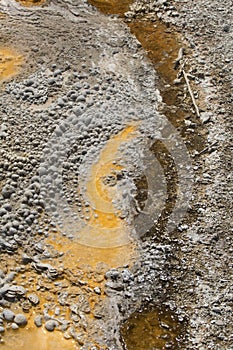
(162, 43)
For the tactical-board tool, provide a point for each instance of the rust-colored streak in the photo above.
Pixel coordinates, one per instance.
(10, 62)
(160, 43)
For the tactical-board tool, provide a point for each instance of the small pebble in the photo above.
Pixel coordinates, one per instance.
(97, 290)
(38, 321)
(14, 326)
(8, 315)
(51, 325)
(20, 320)
(33, 298)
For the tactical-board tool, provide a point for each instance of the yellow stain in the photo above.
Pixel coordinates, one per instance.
(10, 62)
(77, 255)
(84, 261)
(31, 337)
(105, 237)
(112, 6)
(105, 228)
(31, 2)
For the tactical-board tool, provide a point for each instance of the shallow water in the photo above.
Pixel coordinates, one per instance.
(31, 338)
(150, 330)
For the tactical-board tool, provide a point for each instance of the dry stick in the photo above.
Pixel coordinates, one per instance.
(190, 92)
(209, 148)
(177, 63)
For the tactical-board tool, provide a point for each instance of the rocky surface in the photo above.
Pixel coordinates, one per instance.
(85, 78)
(203, 288)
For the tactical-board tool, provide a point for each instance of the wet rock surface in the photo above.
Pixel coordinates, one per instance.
(84, 80)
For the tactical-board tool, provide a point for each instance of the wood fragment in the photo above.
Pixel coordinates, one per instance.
(190, 92)
(209, 149)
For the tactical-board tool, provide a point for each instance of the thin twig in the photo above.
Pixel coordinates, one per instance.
(209, 148)
(190, 92)
(179, 62)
